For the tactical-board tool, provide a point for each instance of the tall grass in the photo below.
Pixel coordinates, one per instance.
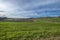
(42, 28)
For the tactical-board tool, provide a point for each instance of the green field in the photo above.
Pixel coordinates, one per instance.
(41, 29)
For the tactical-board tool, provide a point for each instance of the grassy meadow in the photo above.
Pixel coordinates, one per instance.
(41, 29)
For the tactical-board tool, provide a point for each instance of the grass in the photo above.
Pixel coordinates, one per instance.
(42, 29)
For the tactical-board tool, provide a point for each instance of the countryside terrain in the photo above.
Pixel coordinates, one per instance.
(39, 29)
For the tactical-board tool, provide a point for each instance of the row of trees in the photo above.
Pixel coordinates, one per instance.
(2, 18)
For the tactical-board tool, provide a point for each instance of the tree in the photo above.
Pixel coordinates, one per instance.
(2, 18)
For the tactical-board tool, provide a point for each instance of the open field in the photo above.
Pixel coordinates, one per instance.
(41, 29)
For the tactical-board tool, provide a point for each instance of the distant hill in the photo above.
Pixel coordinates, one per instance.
(29, 19)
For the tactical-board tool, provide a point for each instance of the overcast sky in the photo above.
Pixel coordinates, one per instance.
(29, 8)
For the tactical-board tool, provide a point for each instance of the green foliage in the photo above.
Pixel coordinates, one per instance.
(42, 28)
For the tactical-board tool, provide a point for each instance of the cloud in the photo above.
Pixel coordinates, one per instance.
(29, 8)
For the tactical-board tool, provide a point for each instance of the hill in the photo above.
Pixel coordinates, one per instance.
(40, 29)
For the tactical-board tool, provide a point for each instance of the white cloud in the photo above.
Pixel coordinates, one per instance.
(23, 8)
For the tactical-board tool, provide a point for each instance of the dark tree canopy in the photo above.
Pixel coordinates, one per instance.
(2, 18)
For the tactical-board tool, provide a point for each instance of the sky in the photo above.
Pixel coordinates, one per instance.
(29, 8)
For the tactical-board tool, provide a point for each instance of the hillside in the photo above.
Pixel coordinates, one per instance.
(40, 29)
(5, 19)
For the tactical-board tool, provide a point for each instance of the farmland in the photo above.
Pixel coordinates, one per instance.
(41, 29)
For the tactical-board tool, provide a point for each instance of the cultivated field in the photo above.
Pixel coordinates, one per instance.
(41, 29)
